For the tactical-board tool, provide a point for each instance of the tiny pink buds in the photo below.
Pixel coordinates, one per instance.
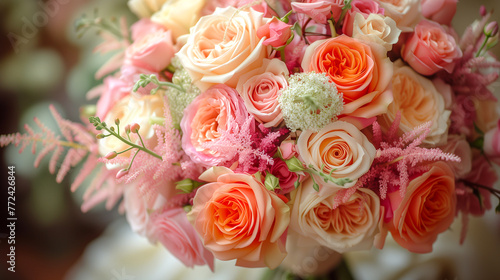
(127, 128)
(121, 173)
(117, 121)
(482, 11)
(491, 29)
(135, 128)
(111, 155)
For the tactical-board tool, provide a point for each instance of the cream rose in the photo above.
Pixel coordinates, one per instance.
(350, 226)
(179, 15)
(418, 101)
(338, 149)
(132, 109)
(376, 28)
(223, 46)
(260, 89)
(406, 13)
(145, 8)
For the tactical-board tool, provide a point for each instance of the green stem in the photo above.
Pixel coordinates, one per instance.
(483, 45)
(144, 149)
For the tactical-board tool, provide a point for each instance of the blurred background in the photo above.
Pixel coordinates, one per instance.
(43, 62)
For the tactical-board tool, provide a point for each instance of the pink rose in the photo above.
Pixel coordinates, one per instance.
(276, 32)
(348, 227)
(219, 108)
(143, 27)
(361, 71)
(440, 11)
(260, 89)
(426, 210)
(152, 52)
(294, 52)
(491, 146)
(285, 176)
(431, 49)
(363, 7)
(223, 46)
(238, 218)
(113, 91)
(320, 11)
(172, 229)
(288, 149)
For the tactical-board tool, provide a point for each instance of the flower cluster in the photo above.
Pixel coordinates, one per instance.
(231, 126)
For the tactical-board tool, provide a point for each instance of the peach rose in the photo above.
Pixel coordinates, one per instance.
(418, 101)
(223, 46)
(179, 15)
(427, 209)
(431, 49)
(132, 109)
(486, 114)
(238, 218)
(338, 149)
(152, 52)
(350, 226)
(260, 89)
(441, 11)
(172, 229)
(360, 70)
(276, 32)
(406, 13)
(377, 29)
(217, 109)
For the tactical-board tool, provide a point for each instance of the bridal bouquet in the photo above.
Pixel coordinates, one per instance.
(267, 131)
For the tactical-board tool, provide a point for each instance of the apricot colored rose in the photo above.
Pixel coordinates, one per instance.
(360, 70)
(238, 218)
(426, 210)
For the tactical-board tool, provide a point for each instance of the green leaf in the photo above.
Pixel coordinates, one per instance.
(271, 182)
(497, 209)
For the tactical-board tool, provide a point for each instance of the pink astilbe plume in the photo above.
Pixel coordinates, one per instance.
(154, 176)
(398, 159)
(250, 145)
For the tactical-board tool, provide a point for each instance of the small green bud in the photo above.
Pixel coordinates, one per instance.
(186, 185)
(294, 164)
(117, 121)
(187, 208)
(100, 136)
(112, 128)
(98, 127)
(316, 186)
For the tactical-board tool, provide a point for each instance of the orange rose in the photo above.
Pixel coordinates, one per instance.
(360, 70)
(427, 209)
(238, 218)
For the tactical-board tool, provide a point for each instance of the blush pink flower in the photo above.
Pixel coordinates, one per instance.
(276, 32)
(363, 7)
(426, 210)
(238, 218)
(440, 11)
(143, 27)
(114, 90)
(172, 229)
(431, 49)
(260, 89)
(285, 176)
(288, 149)
(319, 11)
(152, 52)
(360, 70)
(491, 146)
(218, 109)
